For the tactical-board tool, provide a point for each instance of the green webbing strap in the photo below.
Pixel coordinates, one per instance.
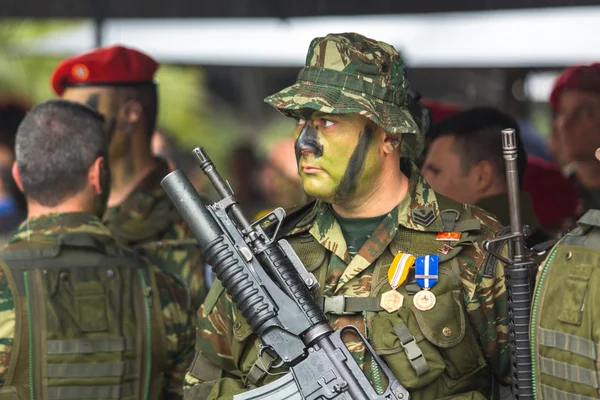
(346, 80)
(571, 343)
(411, 348)
(89, 370)
(555, 394)
(568, 372)
(86, 346)
(259, 369)
(91, 392)
(346, 305)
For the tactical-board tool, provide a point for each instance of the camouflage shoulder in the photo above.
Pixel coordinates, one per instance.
(299, 219)
(7, 318)
(489, 223)
(172, 289)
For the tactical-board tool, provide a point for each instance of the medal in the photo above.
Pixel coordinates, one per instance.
(450, 236)
(399, 269)
(391, 301)
(424, 300)
(426, 276)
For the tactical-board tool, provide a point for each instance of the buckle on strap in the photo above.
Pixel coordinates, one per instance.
(411, 348)
(335, 305)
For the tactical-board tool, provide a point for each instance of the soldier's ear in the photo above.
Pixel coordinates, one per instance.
(485, 177)
(391, 142)
(17, 176)
(95, 175)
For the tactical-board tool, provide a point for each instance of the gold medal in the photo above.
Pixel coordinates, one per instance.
(424, 300)
(399, 269)
(391, 301)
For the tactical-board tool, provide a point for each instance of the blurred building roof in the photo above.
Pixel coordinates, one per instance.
(524, 38)
(255, 8)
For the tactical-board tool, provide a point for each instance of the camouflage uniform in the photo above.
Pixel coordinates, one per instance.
(46, 232)
(147, 221)
(454, 346)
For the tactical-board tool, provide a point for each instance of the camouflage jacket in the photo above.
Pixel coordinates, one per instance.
(179, 317)
(458, 353)
(147, 221)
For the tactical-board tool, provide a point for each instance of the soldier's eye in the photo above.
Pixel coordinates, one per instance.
(327, 123)
(300, 121)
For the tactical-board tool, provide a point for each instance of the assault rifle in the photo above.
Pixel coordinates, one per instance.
(519, 276)
(272, 289)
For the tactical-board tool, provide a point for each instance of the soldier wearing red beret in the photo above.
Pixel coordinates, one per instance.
(575, 101)
(119, 83)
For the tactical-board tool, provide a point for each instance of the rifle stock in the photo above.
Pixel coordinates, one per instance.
(271, 288)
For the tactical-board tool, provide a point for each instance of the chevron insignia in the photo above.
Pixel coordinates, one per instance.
(423, 216)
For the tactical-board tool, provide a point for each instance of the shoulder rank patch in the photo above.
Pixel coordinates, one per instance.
(423, 216)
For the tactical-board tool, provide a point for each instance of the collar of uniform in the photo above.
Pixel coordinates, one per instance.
(419, 210)
(52, 225)
(143, 197)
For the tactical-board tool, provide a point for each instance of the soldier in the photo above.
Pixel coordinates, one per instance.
(465, 162)
(81, 317)
(118, 82)
(368, 239)
(565, 328)
(575, 100)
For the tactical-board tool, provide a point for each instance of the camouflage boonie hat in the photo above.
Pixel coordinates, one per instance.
(348, 73)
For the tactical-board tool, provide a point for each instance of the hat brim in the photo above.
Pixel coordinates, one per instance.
(333, 100)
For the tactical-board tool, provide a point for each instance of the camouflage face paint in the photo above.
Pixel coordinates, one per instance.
(347, 161)
(356, 164)
(308, 141)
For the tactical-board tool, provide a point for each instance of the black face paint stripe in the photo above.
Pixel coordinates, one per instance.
(356, 163)
(92, 101)
(308, 141)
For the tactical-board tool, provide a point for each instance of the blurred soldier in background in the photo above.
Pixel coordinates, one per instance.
(565, 322)
(575, 101)
(465, 162)
(119, 83)
(80, 316)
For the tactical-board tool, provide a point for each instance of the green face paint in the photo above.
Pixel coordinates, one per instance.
(347, 160)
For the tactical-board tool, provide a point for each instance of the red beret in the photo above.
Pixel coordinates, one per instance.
(440, 111)
(110, 66)
(583, 77)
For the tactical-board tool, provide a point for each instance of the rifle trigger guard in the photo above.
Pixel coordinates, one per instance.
(261, 350)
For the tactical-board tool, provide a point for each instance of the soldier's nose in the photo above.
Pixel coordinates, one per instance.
(306, 151)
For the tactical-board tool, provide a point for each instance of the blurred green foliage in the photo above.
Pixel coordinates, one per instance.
(185, 107)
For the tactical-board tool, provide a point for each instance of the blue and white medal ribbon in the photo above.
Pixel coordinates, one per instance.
(426, 276)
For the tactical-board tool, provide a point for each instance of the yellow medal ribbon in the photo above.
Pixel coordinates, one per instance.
(399, 269)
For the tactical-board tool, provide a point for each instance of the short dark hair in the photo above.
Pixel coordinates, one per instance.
(56, 144)
(477, 135)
